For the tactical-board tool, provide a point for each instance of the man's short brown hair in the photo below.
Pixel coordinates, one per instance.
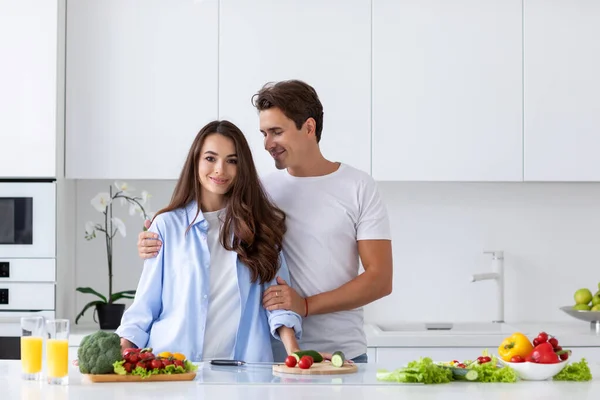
(296, 99)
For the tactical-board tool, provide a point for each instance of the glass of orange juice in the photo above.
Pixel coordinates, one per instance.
(57, 351)
(32, 339)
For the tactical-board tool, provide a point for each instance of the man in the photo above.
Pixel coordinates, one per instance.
(334, 216)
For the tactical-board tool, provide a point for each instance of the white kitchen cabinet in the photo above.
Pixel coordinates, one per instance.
(141, 81)
(28, 91)
(326, 44)
(447, 90)
(562, 107)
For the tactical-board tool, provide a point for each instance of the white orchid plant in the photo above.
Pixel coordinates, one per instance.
(111, 226)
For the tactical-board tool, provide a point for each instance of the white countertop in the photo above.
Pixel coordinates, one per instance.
(259, 383)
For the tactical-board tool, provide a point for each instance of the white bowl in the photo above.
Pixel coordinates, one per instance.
(530, 371)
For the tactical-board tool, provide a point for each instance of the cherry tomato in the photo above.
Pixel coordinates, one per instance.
(128, 367)
(564, 356)
(517, 359)
(535, 342)
(304, 363)
(290, 361)
(156, 364)
(542, 337)
(167, 362)
(308, 359)
(141, 364)
(558, 348)
(178, 363)
(485, 359)
(554, 342)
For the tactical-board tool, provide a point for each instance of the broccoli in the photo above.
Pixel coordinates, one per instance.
(98, 352)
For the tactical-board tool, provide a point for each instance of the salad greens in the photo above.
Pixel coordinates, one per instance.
(577, 371)
(145, 373)
(426, 371)
(418, 371)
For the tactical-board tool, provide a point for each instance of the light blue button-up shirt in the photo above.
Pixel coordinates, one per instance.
(171, 302)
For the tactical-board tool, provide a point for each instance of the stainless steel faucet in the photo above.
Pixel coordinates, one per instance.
(497, 274)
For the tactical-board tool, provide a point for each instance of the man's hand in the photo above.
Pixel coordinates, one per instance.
(283, 297)
(148, 243)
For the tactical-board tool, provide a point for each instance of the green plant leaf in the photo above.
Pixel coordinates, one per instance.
(125, 294)
(88, 305)
(89, 290)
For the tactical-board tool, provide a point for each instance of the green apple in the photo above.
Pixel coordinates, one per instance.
(596, 299)
(583, 296)
(596, 308)
(581, 307)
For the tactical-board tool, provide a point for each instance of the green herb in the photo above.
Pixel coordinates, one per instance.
(419, 371)
(577, 371)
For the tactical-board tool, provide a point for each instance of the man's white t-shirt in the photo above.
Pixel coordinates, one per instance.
(326, 216)
(224, 309)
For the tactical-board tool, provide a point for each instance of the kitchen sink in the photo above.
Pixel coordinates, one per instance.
(462, 328)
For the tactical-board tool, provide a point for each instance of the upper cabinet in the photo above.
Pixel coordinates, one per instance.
(141, 81)
(562, 86)
(324, 43)
(447, 90)
(28, 89)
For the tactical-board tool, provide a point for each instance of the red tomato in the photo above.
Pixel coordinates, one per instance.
(485, 359)
(128, 367)
(141, 364)
(308, 359)
(517, 359)
(290, 361)
(461, 365)
(554, 342)
(564, 356)
(304, 363)
(542, 337)
(178, 363)
(156, 364)
(535, 342)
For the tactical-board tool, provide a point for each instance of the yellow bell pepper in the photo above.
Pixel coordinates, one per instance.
(515, 345)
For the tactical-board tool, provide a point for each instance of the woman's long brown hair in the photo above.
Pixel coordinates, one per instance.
(256, 224)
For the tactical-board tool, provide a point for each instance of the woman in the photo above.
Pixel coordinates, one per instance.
(201, 295)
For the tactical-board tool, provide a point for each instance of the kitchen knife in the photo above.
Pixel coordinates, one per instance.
(238, 363)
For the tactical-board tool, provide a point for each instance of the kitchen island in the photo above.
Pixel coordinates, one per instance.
(258, 382)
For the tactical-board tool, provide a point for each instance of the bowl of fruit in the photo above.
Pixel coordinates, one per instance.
(586, 308)
(538, 360)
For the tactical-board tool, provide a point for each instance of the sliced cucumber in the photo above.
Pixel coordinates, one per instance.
(317, 357)
(337, 359)
(472, 375)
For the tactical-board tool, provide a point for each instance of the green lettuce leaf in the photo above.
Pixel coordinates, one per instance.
(577, 371)
(418, 371)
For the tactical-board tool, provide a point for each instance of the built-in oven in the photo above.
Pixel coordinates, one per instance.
(27, 258)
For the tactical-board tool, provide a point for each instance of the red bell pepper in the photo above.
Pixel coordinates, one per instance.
(543, 354)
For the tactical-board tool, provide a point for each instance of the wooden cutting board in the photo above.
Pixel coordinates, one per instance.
(188, 376)
(322, 368)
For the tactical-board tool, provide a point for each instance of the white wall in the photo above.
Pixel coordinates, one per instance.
(549, 233)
